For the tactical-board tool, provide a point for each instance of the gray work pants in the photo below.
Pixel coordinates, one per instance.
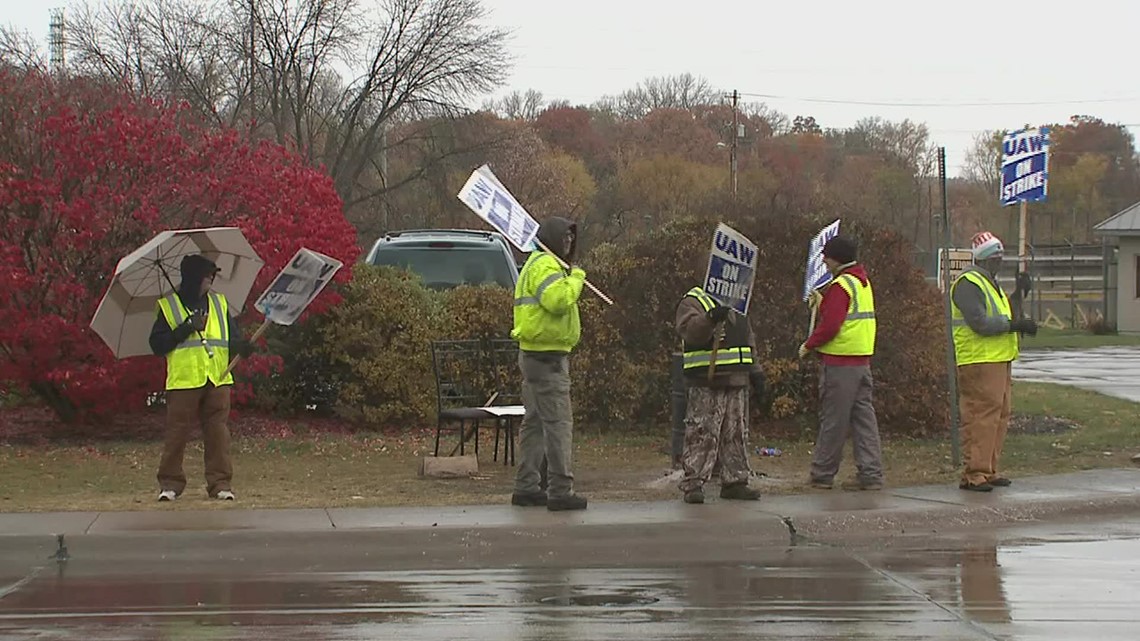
(548, 426)
(845, 409)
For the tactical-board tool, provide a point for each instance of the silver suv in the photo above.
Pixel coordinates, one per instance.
(447, 258)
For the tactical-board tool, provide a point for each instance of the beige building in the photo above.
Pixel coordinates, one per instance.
(1123, 231)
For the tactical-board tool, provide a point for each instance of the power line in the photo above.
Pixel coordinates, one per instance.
(878, 103)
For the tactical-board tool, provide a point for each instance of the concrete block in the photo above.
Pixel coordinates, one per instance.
(449, 467)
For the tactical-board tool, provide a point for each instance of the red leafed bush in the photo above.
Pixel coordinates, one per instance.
(87, 174)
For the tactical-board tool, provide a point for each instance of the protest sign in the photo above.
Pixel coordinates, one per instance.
(490, 200)
(296, 286)
(732, 268)
(485, 194)
(1025, 166)
(816, 275)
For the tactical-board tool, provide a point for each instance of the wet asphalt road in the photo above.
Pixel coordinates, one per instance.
(1074, 581)
(1114, 371)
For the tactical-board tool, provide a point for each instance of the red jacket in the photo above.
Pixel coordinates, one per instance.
(832, 313)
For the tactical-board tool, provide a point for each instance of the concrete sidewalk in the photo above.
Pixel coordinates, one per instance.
(818, 515)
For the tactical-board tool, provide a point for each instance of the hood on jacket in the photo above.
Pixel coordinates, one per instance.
(553, 230)
(194, 268)
(856, 270)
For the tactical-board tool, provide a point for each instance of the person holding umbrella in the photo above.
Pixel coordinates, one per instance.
(196, 333)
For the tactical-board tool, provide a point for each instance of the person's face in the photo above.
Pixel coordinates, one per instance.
(832, 264)
(567, 243)
(207, 283)
(992, 264)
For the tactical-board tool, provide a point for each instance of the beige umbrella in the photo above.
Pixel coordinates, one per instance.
(127, 311)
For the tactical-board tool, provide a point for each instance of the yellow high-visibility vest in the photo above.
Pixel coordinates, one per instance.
(971, 347)
(735, 354)
(189, 365)
(856, 335)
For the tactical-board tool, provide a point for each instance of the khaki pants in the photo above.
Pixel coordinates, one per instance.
(548, 425)
(984, 393)
(208, 408)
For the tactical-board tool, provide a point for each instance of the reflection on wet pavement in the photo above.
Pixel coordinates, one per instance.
(1034, 584)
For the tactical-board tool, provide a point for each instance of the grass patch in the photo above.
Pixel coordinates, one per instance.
(335, 470)
(1048, 338)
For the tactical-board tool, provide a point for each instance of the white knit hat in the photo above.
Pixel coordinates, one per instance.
(986, 245)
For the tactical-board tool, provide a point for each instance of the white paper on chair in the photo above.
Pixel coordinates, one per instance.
(505, 410)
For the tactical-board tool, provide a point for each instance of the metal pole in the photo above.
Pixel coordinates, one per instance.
(1023, 223)
(1072, 284)
(951, 364)
(735, 129)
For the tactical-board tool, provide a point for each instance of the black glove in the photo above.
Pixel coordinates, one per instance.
(197, 320)
(1026, 326)
(719, 313)
(183, 332)
(756, 377)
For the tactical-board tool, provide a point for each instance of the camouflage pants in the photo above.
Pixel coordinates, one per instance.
(716, 431)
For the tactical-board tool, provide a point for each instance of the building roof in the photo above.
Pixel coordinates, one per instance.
(1125, 223)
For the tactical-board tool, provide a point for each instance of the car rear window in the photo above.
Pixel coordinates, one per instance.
(443, 265)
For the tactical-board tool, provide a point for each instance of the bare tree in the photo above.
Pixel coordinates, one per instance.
(684, 91)
(339, 80)
(519, 105)
(983, 161)
(19, 49)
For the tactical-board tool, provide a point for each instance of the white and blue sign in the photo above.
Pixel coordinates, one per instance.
(1025, 166)
(491, 201)
(732, 268)
(296, 286)
(816, 275)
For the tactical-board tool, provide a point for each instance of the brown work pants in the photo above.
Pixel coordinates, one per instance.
(984, 392)
(206, 407)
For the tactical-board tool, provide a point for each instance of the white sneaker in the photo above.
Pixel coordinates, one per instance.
(225, 495)
(167, 495)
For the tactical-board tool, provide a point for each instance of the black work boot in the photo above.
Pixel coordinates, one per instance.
(739, 492)
(976, 487)
(568, 502)
(695, 496)
(528, 499)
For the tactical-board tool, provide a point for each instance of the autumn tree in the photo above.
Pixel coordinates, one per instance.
(87, 174)
(572, 131)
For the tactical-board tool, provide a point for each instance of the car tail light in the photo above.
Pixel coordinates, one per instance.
(438, 244)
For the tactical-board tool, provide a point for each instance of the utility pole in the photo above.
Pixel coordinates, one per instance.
(735, 138)
(951, 361)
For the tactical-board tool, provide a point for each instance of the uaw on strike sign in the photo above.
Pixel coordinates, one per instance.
(1025, 166)
(732, 268)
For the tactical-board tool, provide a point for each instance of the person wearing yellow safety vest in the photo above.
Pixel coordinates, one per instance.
(985, 346)
(716, 415)
(547, 327)
(844, 336)
(196, 334)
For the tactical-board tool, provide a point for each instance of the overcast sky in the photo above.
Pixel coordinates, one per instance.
(957, 65)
